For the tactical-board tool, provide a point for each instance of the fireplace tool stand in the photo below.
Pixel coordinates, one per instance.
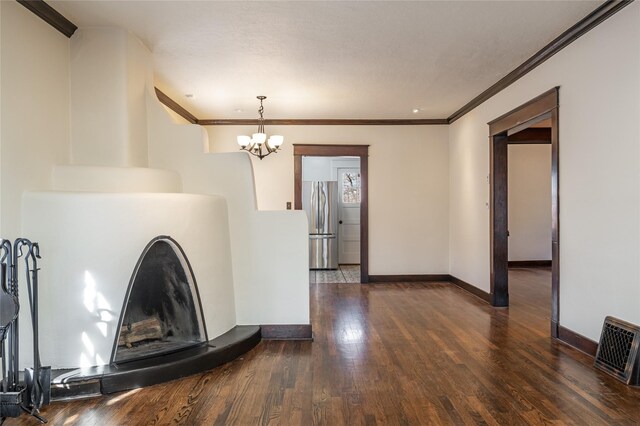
(34, 391)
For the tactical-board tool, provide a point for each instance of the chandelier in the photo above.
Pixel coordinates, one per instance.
(257, 144)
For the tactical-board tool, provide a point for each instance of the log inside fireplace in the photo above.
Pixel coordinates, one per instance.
(162, 312)
(146, 330)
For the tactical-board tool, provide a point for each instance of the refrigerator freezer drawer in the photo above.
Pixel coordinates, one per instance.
(323, 252)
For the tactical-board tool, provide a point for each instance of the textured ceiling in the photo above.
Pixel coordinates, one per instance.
(332, 59)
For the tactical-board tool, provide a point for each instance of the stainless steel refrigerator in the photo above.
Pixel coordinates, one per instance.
(320, 201)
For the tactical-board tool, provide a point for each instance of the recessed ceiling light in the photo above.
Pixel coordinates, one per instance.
(188, 95)
(237, 110)
(415, 110)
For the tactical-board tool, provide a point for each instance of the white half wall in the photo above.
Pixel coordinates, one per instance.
(529, 202)
(34, 110)
(408, 187)
(599, 174)
(269, 249)
(115, 179)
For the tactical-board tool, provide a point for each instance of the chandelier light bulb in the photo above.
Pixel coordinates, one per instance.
(244, 140)
(259, 138)
(276, 140)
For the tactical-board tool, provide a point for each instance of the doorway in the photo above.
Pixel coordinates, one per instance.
(349, 194)
(361, 153)
(516, 126)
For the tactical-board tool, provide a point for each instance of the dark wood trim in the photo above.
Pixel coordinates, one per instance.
(577, 341)
(529, 111)
(362, 151)
(555, 223)
(595, 18)
(318, 150)
(470, 288)
(532, 135)
(297, 182)
(530, 124)
(544, 105)
(50, 16)
(286, 331)
(175, 107)
(409, 278)
(327, 122)
(530, 142)
(364, 216)
(498, 166)
(599, 15)
(529, 264)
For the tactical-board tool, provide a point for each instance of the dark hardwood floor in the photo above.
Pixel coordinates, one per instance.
(404, 353)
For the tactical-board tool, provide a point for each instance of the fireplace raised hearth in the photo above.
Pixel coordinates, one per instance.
(161, 334)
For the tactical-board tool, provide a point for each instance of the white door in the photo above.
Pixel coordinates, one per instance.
(348, 216)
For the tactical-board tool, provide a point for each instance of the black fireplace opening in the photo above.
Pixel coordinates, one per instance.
(162, 311)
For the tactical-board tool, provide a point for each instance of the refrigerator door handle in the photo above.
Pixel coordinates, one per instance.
(321, 237)
(313, 217)
(322, 206)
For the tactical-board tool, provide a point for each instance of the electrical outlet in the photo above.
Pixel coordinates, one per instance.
(288, 205)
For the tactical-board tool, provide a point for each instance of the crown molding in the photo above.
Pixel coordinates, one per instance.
(176, 107)
(50, 16)
(589, 22)
(327, 122)
(606, 10)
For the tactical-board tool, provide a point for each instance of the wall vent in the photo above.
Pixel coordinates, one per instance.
(618, 350)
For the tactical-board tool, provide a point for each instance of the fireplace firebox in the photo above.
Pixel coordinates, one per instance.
(161, 332)
(162, 311)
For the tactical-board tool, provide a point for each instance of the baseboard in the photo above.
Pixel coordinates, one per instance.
(408, 278)
(529, 264)
(471, 288)
(577, 341)
(432, 278)
(286, 331)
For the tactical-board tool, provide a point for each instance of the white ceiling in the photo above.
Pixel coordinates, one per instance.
(332, 59)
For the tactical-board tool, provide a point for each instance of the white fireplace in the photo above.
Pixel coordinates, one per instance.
(91, 242)
(136, 175)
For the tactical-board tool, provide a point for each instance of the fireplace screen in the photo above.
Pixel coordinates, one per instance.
(162, 312)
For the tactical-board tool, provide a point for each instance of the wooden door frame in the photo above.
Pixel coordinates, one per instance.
(499, 130)
(361, 151)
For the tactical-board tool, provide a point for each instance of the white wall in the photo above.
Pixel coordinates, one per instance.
(110, 69)
(529, 202)
(114, 179)
(599, 175)
(109, 101)
(269, 249)
(408, 187)
(34, 121)
(177, 118)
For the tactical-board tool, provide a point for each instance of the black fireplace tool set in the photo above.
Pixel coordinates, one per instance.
(34, 391)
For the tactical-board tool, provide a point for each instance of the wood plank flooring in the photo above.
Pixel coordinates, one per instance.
(390, 354)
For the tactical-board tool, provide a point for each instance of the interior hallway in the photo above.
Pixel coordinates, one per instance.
(402, 353)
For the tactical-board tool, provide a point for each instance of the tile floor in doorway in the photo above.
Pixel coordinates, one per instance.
(343, 275)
